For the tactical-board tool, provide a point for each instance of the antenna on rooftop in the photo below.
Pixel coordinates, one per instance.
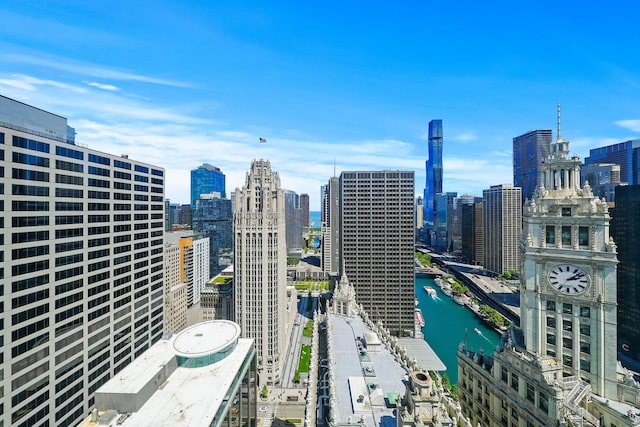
(559, 133)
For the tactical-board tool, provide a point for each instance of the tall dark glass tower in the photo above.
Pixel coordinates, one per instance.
(529, 151)
(207, 179)
(434, 169)
(625, 230)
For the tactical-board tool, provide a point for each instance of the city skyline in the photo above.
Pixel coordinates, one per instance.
(185, 84)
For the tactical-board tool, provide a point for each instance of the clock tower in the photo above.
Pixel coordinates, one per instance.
(568, 295)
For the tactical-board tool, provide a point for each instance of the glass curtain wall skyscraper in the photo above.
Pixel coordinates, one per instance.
(434, 169)
(529, 151)
(207, 179)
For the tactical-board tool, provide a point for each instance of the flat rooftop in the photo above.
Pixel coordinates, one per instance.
(364, 379)
(187, 397)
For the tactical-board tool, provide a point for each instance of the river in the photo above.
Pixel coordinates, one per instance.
(447, 324)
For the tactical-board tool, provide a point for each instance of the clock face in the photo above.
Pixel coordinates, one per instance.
(569, 279)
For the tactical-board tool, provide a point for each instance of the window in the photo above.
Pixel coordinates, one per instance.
(551, 321)
(567, 343)
(566, 211)
(543, 402)
(567, 308)
(514, 381)
(585, 347)
(585, 365)
(567, 325)
(583, 237)
(550, 234)
(585, 329)
(551, 339)
(551, 305)
(566, 236)
(585, 312)
(531, 395)
(567, 360)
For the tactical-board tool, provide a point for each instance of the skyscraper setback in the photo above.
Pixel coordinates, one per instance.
(260, 268)
(83, 281)
(434, 169)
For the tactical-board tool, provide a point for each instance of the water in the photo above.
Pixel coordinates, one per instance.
(447, 324)
(314, 217)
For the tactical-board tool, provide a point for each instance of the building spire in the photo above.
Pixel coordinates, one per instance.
(559, 132)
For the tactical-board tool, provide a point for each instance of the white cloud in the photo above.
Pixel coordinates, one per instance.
(103, 86)
(85, 69)
(633, 125)
(465, 137)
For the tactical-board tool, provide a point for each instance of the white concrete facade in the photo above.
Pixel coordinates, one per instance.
(260, 270)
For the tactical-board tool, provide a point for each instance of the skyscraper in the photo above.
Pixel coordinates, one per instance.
(529, 151)
(330, 226)
(304, 205)
(293, 220)
(502, 212)
(207, 179)
(378, 244)
(83, 275)
(625, 229)
(434, 170)
(213, 218)
(260, 268)
(472, 231)
(443, 220)
(603, 178)
(626, 154)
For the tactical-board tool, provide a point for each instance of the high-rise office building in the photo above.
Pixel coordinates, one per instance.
(213, 218)
(175, 291)
(194, 262)
(207, 179)
(625, 229)
(293, 218)
(304, 205)
(260, 268)
(603, 178)
(471, 218)
(502, 213)
(378, 244)
(83, 275)
(419, 208)
(530, 150)
(626, 154)
(330, 226)
(443, 221)
(434, 170)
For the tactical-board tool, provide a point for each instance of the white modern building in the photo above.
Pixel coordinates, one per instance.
(260, 268)
(201, 377)
(82, 270)
(175, 291)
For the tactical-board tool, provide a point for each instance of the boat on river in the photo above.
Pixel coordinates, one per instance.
(446, 289)
(438, 281)
(460, 299)
(430, 291)
(477, 331)
(419, 318)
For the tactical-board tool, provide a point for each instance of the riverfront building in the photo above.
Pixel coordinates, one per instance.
(625, 229)
(529, 151)
(207, 179)
(626, 154)
(471, 218)
(434, 170)
(260, 268)
(304, 205)
(378, 244)
(502, 213)
(202, 377)
(82, 266)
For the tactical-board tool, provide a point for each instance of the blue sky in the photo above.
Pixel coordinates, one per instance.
(350, 84)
